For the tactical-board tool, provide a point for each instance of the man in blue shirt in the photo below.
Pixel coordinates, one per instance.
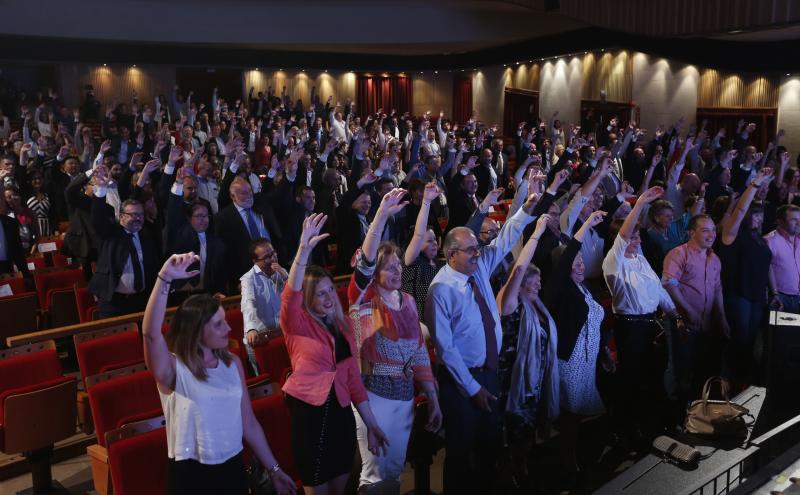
(463, 318)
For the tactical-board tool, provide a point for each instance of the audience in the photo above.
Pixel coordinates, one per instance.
(664, 228)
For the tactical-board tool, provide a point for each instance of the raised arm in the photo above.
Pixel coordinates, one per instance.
(645, 198)
(421, 227)
(508, 297)
(309, 238)
(730, 225)
(390, 205)
(156, 354)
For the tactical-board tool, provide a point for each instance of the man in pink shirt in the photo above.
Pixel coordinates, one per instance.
(691, 276)
(784, 270)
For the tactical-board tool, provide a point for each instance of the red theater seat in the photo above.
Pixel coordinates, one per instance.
(272, 413)
(32, 388)
(49, 281)
(273, 358)
(137, 455)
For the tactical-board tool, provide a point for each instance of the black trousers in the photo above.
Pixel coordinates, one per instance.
(639, 368)
(472, 436)
(189, 477)
(123, 304)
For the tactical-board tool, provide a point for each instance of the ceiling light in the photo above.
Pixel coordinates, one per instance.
(788, 74)
(517, 63)
(134, 65)
(436, 72)
(104, 65)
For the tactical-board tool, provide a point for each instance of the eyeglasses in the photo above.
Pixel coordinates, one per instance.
(266, 256)
(472, 250)
(490, 232)
(133, 215)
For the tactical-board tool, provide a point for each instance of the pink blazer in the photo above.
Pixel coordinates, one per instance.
(311, 350)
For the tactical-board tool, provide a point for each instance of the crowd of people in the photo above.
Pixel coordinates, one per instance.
(630, 267)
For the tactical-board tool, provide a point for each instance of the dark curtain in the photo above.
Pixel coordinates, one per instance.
(462, 99)
(766, 120)
(374, 92)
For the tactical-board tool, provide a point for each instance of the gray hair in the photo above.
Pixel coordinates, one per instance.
(451, 239)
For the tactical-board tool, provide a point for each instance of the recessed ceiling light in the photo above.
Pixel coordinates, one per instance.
(104, 65)
(436, 72)
(134, 65)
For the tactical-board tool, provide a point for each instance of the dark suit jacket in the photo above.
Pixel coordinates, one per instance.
(79, 240)
(232, 231)
(56, 183)
(15, 253)
(114, 251)
(348, 231)
(182, 238)
(460, 207)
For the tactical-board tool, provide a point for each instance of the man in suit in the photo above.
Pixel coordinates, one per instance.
(79, 241)
(193, 235)
(302, 208)
(463, 201)
(500, 162)
(127, 261)
(248, 217)
(11, 251)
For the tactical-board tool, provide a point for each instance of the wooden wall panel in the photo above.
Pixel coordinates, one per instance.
(721, 90)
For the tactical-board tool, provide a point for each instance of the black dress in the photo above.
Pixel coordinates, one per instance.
(323, 437)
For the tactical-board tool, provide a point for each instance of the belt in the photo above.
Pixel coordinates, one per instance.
(389, 369)
(644, 317)
(481, 369)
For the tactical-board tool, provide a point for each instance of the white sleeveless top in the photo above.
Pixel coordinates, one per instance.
(204, 419)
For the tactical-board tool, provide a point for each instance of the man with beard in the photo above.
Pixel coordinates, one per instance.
(127, 261)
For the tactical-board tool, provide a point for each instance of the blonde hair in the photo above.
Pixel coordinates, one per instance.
(186, 333)
(313, 276)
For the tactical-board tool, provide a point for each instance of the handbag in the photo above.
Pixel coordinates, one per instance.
(716, 417)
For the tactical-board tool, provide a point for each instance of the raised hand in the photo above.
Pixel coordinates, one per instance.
(431, 192)
(541, 225)
(492, 198)
(175, 268)
(596, 218)
(105, 147)
(650, 195)
(151, 166)
(64, 150)
(392, 203)
(312, 226)
(175, 154)
(136, 159)
(558, 179)
(472, 162)
(764, 176)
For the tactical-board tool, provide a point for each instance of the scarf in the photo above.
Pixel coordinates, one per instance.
(525, 374)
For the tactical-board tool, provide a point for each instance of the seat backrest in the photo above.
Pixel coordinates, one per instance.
(341, 291)
(29, 369)
(97, 355)
(55, 280)
(124, 397)
(63, 309)
(139, 464)
(273, 357)
(235, 320)
(84, 302)
(19, 314)
(272, 413)
(17, 284)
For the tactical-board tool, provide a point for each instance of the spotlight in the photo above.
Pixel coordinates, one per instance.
(436, 72)
(104, 65)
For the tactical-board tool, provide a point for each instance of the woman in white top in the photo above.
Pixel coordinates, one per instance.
(637, 294)
(203, 393)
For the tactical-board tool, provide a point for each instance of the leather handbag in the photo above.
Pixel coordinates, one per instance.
(716, 417)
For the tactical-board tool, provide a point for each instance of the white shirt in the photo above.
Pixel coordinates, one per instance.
(261, 300)
(204, 420)
(126, 279)
(592, 245)
(635, 287)
(113, 199)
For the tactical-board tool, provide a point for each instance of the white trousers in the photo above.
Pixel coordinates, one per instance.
(395, 418)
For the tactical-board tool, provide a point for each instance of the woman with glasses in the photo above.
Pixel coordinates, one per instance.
(325, 378)
(392, 351)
